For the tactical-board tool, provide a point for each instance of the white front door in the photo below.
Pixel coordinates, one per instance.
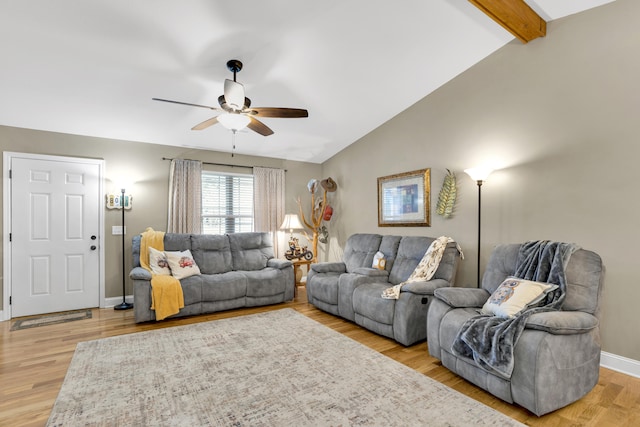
(55, 235)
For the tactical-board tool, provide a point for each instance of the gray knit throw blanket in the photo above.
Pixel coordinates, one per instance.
(490, 340)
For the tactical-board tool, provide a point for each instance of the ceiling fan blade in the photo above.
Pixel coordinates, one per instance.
(234, 94)
(209, 122)
(279, 112)
(185, 103)
(259, 127)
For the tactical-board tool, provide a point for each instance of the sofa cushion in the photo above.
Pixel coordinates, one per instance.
(223, 286)
(182, 264)
(177, 241)
(389, 247)
(514, 295)
(410, 252)
(250, 251)
(359, 250)
(367, 302)
(192, 289)
(265, 282)
(212, 253)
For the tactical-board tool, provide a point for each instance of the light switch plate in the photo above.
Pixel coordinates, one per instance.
(116, 230)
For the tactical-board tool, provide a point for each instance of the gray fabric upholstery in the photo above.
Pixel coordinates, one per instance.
(222, 285)
(352, 289)
(250, 251)
(556, 359)
(360, 249)
(212, 253)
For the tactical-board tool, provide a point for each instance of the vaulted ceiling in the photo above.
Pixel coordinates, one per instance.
(92, 67)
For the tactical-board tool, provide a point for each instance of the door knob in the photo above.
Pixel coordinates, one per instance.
(93, 247)
(93, 237)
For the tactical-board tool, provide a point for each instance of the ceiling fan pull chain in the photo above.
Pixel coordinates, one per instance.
(233, 141)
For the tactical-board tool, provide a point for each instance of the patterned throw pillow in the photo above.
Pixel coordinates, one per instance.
(158, 262)
(514, 295)
(182, 264)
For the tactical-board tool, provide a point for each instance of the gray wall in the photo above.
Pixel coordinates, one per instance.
(143, 162)
(559, 118)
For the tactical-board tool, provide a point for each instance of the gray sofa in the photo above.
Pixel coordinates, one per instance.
(237, 270)
(556, 359)
(352, 289)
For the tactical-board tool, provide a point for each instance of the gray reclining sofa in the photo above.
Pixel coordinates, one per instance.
(352, 289)
(557, 358)
(237, 270)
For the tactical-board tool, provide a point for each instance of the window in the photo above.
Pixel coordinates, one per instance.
(227, 203)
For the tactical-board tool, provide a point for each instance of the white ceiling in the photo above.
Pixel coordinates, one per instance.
(91, 67)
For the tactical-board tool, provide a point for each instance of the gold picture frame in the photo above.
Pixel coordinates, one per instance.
(404, 199)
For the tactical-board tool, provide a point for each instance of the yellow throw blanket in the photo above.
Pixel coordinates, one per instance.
(166, 293)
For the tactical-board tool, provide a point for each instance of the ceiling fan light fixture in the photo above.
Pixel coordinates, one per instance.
(234, 121)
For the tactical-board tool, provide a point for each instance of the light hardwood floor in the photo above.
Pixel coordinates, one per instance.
(33, 363)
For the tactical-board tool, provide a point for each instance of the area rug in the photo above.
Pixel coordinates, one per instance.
(50, 319)
(277, 368)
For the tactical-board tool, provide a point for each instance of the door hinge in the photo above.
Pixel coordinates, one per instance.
(10, 236)
(9, 173)
(9, 299)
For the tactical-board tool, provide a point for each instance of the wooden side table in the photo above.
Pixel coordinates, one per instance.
(297, 272)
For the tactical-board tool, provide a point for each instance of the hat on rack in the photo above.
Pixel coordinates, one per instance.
(329, 185)
(312, 185)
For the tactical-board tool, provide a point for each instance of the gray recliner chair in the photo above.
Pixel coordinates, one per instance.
(556, 359)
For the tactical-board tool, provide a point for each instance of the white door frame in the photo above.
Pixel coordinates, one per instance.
(5, 314)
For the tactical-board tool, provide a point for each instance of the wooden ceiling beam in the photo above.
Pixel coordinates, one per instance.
(515, 16)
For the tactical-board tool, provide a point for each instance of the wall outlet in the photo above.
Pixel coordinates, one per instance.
(116, 230)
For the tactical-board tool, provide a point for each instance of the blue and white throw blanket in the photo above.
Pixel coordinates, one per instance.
(490, 340)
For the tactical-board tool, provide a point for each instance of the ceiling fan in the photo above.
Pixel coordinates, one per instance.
(235, 109)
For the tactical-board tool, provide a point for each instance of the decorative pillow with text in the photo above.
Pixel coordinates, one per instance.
(182, 264)
(514, 295)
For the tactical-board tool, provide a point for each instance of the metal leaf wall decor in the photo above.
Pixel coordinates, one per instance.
(447, 196)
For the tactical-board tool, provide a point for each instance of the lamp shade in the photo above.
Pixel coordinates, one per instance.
(291, 222)
(234, 121)
(479, 173)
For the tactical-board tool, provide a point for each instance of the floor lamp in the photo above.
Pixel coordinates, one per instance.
(124, 305)
(479, 175)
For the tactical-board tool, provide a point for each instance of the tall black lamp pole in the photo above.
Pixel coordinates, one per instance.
(479, 175)
(124, 305)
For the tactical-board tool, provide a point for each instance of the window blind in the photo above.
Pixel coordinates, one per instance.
(227, 203)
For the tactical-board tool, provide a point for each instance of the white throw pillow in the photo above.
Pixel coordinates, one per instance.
(379, 261)
(182, 264)
(158, 262)
(514, 295)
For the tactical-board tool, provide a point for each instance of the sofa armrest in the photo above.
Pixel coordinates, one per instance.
(139, 273)
(279, 263)
(424, 288)
(562, 322)
(372, 272)
(329, 267)
(462, 297)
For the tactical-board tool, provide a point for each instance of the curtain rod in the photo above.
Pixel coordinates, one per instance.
(224, 164)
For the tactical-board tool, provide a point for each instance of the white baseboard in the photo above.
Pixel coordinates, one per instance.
(113, 301)
(620, 364)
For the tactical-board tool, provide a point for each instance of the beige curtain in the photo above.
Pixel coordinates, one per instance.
(185, 197)
(268, 202)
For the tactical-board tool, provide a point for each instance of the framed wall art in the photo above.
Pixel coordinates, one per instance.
(404, 199)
